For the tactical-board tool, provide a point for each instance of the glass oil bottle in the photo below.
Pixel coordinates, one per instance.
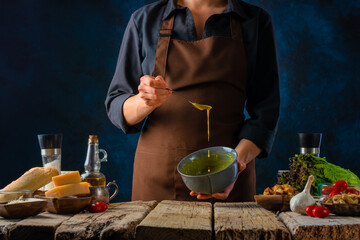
(92, 164)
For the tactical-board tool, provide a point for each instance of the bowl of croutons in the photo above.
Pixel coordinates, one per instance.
(276, 198)
(345, 204)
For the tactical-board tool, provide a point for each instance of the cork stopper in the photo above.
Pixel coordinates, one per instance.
(93, 139)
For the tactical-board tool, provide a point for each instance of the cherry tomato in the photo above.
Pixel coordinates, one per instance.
(326, 190)
(309, 210)
(98, 207)
(103, 205)
(352, 191)
(340, 185)
(333, 193)
(321, 212)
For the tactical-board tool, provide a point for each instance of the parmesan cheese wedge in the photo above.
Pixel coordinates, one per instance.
(68, 178)
(68, 190)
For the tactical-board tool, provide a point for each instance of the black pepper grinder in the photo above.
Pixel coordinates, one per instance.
(310, 143)
(50, 145)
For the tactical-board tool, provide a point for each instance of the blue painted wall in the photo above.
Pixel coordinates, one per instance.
(57, 59)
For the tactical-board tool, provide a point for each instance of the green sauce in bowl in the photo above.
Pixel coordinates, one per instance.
(206, 164)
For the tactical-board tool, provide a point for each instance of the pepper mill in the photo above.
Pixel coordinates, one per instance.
(310, 143)
(50, 145)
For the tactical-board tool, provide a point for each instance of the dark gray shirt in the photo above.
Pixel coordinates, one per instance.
(137, 55)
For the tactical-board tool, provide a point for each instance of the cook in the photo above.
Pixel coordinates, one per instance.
(216, 52)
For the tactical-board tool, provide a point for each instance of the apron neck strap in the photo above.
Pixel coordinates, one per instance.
(235, 26)
(165, 34)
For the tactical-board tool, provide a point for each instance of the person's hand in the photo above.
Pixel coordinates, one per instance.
(224, 194)
(152, 93)
(152, 90)
(246, 151)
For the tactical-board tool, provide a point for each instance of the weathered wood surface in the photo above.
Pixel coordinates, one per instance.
(177, 220)
(42, 226)
(118, 222)
(180, 220)
(6, 225)
(247, 221)
(331, 227)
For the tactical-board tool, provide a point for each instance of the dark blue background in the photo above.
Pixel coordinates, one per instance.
(57, 59)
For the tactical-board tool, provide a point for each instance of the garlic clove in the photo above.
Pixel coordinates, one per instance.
(300, 201)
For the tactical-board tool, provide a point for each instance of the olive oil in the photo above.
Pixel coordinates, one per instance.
(204, 164)
(92, 164)
(96, 181)
(202, 107)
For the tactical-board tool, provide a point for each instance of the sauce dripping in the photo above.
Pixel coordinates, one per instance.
(202, 107)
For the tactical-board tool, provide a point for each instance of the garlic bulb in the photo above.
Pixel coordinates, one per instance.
(300, 201)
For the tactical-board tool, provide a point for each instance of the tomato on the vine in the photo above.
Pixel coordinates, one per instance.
(352, 191)
(326, 190)
(333, 193)
(309, 210)
(98, 207)
(340, 186)
(321, 212)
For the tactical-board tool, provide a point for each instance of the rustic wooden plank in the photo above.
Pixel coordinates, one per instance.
(118, 222)
(247, 221)
(6, 225)
(331, 227)
(124, 228)
(177, 220)
(42, 226)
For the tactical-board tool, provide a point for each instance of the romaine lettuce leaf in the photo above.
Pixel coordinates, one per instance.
(303, 165)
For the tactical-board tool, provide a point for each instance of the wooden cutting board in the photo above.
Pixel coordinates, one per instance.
(177, 220)
(118, 222)
(331, 227)
(247, 221)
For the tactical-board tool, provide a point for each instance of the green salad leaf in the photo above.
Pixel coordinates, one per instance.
(303, 165)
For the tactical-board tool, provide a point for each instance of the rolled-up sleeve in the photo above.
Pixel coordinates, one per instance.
(263, 97)
(126, 78)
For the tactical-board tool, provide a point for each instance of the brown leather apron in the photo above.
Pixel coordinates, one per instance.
(209, 71)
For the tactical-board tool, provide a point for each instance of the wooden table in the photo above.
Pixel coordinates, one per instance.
(331, 227)
(180, 220)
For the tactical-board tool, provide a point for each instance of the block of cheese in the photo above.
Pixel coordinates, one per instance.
(67, 178)
(68, 190)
